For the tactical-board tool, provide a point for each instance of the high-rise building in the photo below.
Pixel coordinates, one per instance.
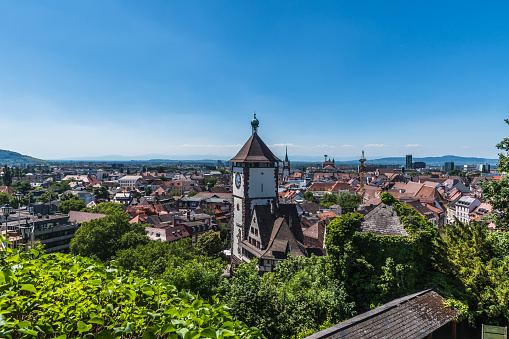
(409, 164)
(449, 166)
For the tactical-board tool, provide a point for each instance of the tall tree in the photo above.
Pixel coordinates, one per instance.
(497, 192)
(102, 238)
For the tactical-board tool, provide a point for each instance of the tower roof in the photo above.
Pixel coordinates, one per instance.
(255, 150)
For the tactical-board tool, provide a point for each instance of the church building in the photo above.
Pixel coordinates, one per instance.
(261, 227)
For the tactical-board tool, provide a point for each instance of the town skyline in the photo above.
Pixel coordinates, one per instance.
(184, 79)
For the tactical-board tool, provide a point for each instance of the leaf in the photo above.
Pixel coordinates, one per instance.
(23, 324)
(148, 335)
(27, 331)
(208, 332)
(168, 328)
(182, 332)
(148, 290)
(82, 327)
(96, 320)
(29, 288)
(63, 336)
(105, 334)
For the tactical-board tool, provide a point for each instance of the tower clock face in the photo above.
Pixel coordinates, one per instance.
(237, 180)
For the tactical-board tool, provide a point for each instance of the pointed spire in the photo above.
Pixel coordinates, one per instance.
(286, 155)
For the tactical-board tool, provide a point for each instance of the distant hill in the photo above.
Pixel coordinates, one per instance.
(434, 161)
(10, 158)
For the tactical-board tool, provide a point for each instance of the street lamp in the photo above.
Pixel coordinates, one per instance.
(26, 233)
(6, 211)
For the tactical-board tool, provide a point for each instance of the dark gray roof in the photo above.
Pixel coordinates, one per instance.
(310, 207)
(282, 242)
(413, 316)
(383, 220)
(255, 150)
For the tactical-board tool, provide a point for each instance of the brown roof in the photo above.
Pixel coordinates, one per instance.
(255, 150)
(413, 316)
(82, 217)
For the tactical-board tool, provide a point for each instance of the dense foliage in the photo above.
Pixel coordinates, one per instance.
(72, 204)
(102, 238)
(377, 269)
(348, 202)
(179, 263)
(475, 263)
(105, 208)
(63, 296)
(299, 296)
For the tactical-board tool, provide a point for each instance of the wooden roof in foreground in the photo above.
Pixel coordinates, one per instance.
(413, 316)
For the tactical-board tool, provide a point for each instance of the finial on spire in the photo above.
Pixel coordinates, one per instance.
(254, 124)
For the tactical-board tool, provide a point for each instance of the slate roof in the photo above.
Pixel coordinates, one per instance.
(383, 220)
(255, 150)
(413, 316)
(310, 207)
(283, 242)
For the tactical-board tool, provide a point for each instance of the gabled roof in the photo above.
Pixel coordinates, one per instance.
(383, 220)
(413, 316)
(255, 150)
(282, 242)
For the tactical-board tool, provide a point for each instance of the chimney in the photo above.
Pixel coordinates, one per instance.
(188, 214)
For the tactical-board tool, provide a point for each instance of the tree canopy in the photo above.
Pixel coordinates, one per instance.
(102, 238)
(348, 202)
(72, 204)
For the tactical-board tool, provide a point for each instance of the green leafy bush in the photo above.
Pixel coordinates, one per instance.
(63, 296)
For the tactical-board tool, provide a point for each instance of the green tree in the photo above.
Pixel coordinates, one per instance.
(6, 198)
(47, 196)
(102, 238)
(21, 186)
(67, 196)
(7, 177)
(477, 272)
(309, 196)
(192, 194)
(210, 181)
(61, 186)
(299, 295)
(348, 202)
(148, 190)
(73, 204)
(175, 194)
(107, 208)
(101, 192)
(209, 244)
(328, 199)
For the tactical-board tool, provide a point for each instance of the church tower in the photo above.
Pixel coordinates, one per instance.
(286, 166)
(255, 182)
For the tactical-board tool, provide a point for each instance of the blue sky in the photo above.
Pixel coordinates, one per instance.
(92, 78)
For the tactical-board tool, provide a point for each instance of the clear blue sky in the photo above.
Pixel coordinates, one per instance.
(91, 78)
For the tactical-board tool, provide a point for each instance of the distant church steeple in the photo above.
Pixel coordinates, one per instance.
(286, 166)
